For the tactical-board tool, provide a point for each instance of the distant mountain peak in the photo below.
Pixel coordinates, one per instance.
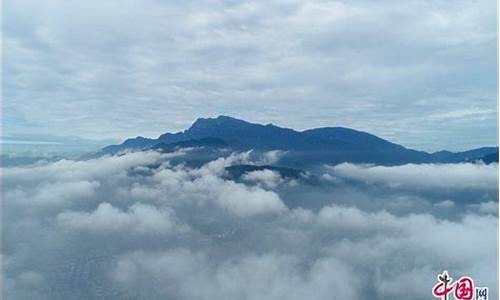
(327, 145)
(218, 121)
(228, 118)
(220, 118)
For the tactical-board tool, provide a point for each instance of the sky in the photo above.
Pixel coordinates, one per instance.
(419, 73)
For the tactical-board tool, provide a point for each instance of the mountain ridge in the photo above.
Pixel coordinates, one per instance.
(330, 145)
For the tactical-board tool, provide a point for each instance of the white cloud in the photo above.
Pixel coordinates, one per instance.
(218, 166)
(248, 201)
(489, 207)
(376, 256)
(148, 229)
(139, 219)
(252, 277)
(69, 170)
(427, 176)
(445, 204)
(57, 193)
(272, 157)
(266, 178)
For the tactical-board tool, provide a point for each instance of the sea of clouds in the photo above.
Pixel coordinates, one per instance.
(138, 226)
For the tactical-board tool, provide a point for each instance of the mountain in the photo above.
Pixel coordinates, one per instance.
(328, 145)
(485, 159)
(208, 142)
(469, 155)
(138, 143)
(490, 158)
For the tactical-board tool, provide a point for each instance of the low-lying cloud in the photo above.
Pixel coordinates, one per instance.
(138, 219)
(456, 176)
(137, 226)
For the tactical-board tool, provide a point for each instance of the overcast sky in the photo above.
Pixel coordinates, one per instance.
(420, 73)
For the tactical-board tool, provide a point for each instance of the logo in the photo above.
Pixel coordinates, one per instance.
(462, 289)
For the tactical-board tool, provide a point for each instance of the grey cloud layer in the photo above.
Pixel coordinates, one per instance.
(80, 67)
(136, 226)
(437, 176)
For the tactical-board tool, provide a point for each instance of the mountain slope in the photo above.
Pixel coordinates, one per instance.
(469, 155)
(242, 135)
(209, 142)
(329, 145)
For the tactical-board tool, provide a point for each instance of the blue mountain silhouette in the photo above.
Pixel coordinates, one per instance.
(321, 145)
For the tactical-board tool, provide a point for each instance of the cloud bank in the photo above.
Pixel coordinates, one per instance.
(139, 227)
(437, 176)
